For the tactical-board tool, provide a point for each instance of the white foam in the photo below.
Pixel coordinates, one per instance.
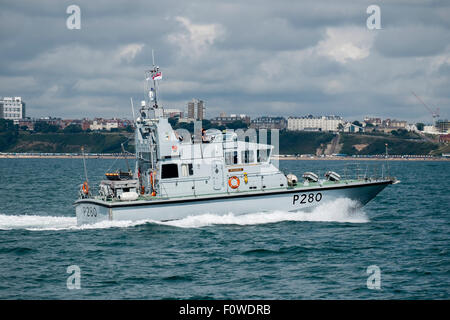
(112, 224)
(54, 223)
(340, 210)
(8, 222)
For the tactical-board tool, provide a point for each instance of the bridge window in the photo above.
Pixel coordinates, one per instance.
(248, 156)
(169, 171)
(263, 155)
(231, 157)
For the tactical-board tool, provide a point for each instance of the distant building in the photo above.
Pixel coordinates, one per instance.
(85, 124)
(444, 138)
(123, 123)
(430, 129)
(12, 108)
(312, 123)
(191, 109)
(30, 122)
(51, 120)
(386, 125)
(268, 123)
(96, 125)
(442, 126)
(222, 121)
(67, 122)
(27, 123)
(312, 129)
(170, 113)
(390, 124)
(373, 121)
(104, 124)
(198, 105)
(186, 120)
(394, 124)
(200, 110)
(411, 127)
(352, 128)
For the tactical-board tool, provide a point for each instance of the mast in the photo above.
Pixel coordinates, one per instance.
(146, 127)
(153, 74)
(132, 109)
(84, 164)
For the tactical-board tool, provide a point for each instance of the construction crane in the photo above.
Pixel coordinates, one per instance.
(434, 114)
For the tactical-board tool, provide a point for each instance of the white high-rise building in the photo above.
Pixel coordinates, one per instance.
(12, 108)
(311, 123)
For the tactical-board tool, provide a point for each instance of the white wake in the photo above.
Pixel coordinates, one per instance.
(340, 210)
(55, 223)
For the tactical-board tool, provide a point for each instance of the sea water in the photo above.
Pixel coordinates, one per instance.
(328, 253)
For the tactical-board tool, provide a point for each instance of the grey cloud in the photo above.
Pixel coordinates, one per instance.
(283, 57)
(412, 41)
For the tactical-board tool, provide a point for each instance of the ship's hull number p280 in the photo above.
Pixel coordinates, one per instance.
(305, 198)
(90, 212)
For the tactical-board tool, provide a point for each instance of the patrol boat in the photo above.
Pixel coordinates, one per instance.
(177, 175)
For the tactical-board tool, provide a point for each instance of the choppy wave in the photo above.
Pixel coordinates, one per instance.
(340, 210)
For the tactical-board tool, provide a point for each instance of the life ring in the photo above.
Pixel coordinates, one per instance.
(85, 188)
(234, 182)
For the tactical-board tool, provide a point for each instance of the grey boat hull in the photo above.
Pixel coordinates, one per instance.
(90, 211)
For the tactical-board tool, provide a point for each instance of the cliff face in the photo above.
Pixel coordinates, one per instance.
(335, 146)
(322, 143)
(301, 142)
(66, 142)
(358, 144)
(316, 143)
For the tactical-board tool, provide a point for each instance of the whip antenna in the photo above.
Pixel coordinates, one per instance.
(84, 164)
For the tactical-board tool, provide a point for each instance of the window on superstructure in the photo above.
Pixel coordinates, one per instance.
(169, 171)
(263, 155)
(231, 157)
(187, 169)
(247, 156)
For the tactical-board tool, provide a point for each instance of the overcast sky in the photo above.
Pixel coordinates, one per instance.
(288, 58)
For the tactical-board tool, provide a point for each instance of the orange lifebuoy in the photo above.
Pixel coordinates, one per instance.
(234, 182)
(85, 187)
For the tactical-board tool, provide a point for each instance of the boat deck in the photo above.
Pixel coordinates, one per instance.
(311, 186)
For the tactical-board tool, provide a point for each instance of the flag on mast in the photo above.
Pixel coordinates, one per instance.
(157, 75)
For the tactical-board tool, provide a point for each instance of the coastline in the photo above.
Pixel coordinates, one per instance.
(113, 156)
(399, 158)
(63, 156)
